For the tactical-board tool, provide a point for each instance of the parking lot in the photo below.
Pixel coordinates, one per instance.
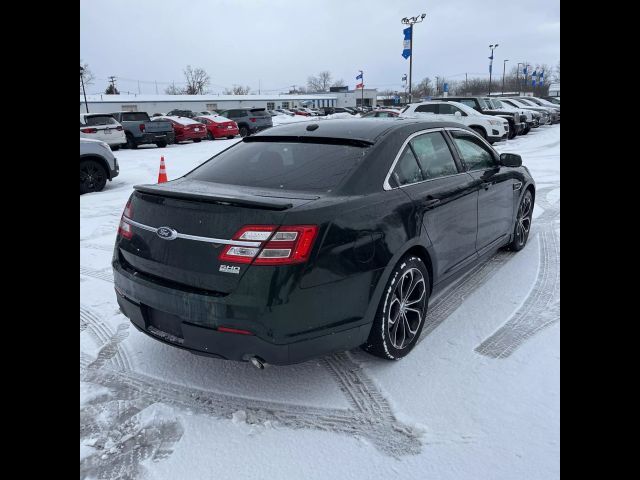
(477, 398)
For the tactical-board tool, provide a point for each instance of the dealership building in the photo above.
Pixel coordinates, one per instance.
(197, 103)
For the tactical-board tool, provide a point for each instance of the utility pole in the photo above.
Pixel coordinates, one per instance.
(138, 87)
(411, 21)
(504, 66)
(492, 47)
(156, 87)
(112, 81)
(466, 83)
(86, 105)
(437, 83)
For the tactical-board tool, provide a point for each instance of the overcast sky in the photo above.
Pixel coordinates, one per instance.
(276, 43)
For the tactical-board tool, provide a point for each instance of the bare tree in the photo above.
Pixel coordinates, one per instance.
(87, 75)
(173, 90)
(338, 83)
(422, 89)
(556, 73)
(238, 90)
(320, 82)
(197, 81)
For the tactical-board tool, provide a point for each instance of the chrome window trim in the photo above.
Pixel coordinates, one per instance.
(238, 243)
(386, 186)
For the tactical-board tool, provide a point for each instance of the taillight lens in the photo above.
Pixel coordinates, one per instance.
(252, 119)
(285, 245)
(89, 130)
(141, 127)
(119, 129)
(124, 229)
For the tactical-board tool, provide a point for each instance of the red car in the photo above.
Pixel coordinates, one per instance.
(186, 128)
(218, 126)
(300, 112)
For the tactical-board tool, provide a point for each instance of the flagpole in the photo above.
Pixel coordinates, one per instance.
(411, 21)
(362, 97)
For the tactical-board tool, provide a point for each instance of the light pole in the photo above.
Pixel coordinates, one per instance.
(504, 68)
(518, 76)
(492, 47)
(411, 21)
(437, 83)
(526, 71)
(86, 106)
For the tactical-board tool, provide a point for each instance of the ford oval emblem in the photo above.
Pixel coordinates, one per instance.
(167, 233)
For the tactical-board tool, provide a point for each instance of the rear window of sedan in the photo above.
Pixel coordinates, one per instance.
(94, 120)
(302, 166)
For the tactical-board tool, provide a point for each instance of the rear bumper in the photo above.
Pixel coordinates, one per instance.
(189, 320)
(219, 133)
(147, 138)
(115, 171)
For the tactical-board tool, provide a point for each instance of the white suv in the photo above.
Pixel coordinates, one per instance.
(491, 128)
(103, 127)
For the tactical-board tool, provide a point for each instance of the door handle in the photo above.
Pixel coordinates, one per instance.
(431, 203)
(486, 185)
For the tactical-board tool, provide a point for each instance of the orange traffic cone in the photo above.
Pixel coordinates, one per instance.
(162, 175)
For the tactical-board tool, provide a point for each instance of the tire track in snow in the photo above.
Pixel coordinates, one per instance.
(105, 274)
(96, 246)
(103, 336)
(541, 308)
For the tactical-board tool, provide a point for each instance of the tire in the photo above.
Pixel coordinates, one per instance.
(161, 144)
(526, 130)
(210, 135)
(244, 132)
(197, 140)
(522, 227)
(384, 338)
(131, 143)
(93, 176)
(480, 131)
(512, 132)
(114, 147)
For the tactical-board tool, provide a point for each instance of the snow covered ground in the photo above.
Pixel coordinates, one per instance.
(478, 398)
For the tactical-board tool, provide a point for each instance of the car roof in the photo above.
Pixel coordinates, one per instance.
(349, 128)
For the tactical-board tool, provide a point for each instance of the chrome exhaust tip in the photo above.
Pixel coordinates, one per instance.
(258, 363)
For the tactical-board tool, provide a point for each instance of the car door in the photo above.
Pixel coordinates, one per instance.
(430, 108)
(445, 198)
(495, 188)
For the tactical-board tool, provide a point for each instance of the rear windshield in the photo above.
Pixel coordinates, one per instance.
(135, 117)
(310, 167)
(258, 112)
(100, 120)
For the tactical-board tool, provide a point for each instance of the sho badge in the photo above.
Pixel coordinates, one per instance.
(229, 269)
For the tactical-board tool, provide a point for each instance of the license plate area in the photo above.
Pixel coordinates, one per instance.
(164, 325)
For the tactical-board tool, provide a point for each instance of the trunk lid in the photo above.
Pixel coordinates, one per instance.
(158, 126)
(213, 213)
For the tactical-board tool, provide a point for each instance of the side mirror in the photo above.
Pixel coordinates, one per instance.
(457, 115)
(510, 160)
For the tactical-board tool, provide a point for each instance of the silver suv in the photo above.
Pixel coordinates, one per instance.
(97, 165)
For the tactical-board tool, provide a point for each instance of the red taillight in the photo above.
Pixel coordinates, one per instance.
(124, 229)
(89, 130)
(119, 129)
(252, 119)
(234, 330)
(141, 127)
(285, 245)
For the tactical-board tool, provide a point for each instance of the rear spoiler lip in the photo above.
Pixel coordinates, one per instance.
(255, 201)
(353, 142)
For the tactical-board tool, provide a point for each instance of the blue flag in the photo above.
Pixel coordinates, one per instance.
(533, 78)
(406, 53)
(524, 70)
(359, 76)
(541, 77)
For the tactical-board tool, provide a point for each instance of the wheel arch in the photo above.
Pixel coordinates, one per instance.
(480, 127)
(100, 160)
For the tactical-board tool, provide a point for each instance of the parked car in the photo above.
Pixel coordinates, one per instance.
(284, 111)
(185, 128)
(218, 126)
(554, 116)
(181, 113)
(527, 117)
(103, 127)
(350, 110)
(299, 111)
(140, 130)
(491, 128)
(543, 103)
(328, 110)
(376, 215)
(543, 113)
(249, 120)
(205, 113)
(480, 104)
(97, 165)
(554, 100)
(381, 114)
